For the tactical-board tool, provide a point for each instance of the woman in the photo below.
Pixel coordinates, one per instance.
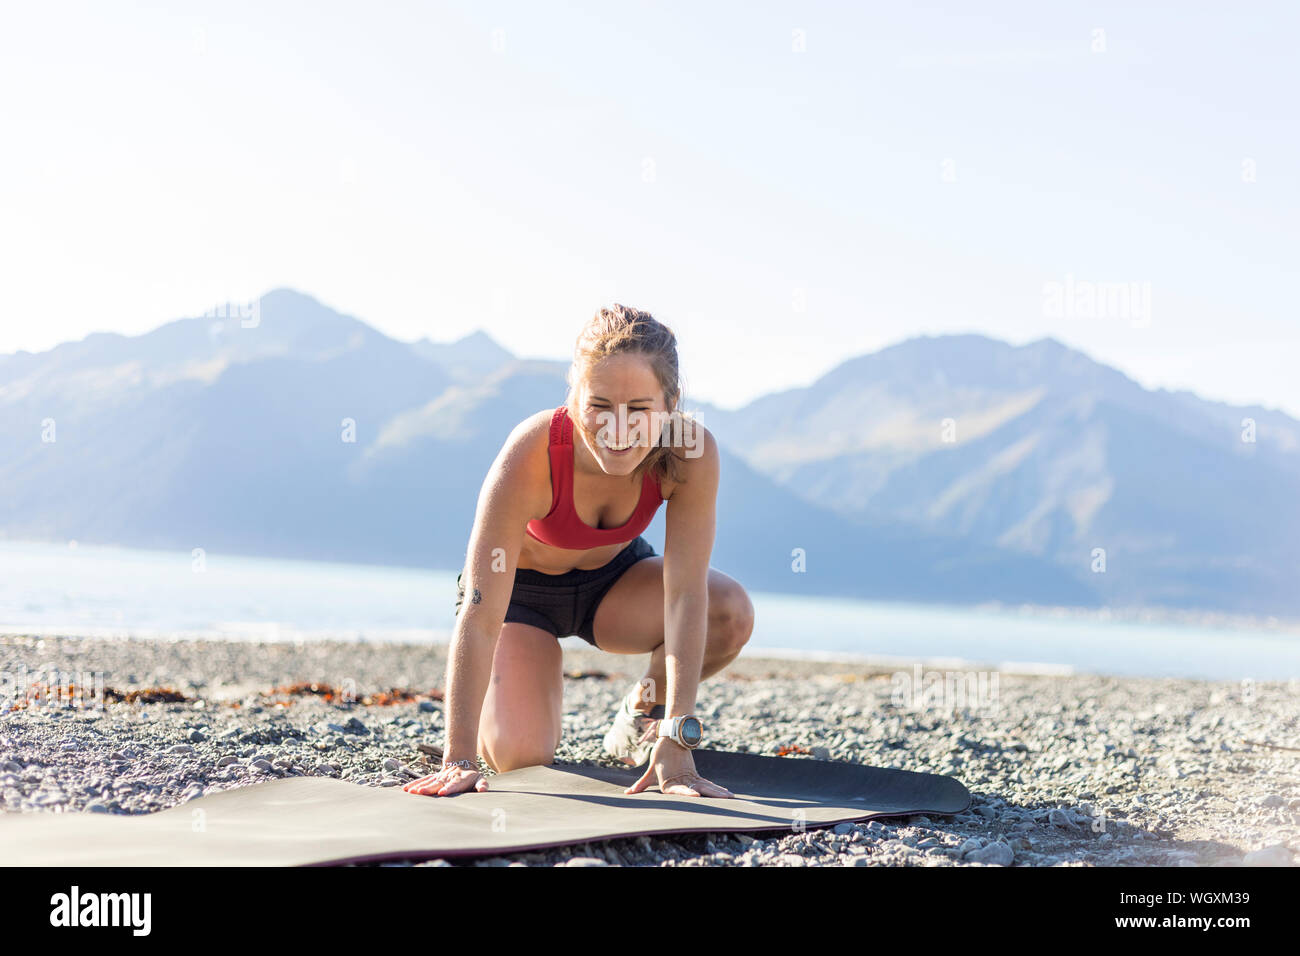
(549, 556)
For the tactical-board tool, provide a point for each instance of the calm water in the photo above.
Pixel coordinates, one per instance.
(48, 588)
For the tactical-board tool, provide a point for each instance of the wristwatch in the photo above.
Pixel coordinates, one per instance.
(685, 730)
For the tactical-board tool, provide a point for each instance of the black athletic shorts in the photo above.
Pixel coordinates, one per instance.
(565, 604)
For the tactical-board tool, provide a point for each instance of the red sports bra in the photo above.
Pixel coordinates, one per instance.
(562, 528)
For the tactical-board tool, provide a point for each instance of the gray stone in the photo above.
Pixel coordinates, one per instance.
(1060, 818)
(995, 854)
(1274, 855)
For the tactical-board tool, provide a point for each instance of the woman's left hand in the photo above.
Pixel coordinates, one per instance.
(674, 766)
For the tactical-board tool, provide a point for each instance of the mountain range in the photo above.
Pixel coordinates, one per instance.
(950, 469)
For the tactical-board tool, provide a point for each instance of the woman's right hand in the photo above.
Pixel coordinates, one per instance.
(448, 781)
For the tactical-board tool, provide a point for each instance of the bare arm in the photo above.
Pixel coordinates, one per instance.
(688, 544)
(504, 508)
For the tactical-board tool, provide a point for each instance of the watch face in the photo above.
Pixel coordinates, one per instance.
(691, 731)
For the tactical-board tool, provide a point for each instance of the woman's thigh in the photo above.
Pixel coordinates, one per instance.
(630, 618)
(520, 724)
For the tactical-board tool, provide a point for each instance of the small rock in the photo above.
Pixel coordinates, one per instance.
(197, 737)
(995, 854)
(1275, 855)
(586, 861)
(227, 760)
(260, 765)
(427, 707)
(1059, 818)
(181, 749)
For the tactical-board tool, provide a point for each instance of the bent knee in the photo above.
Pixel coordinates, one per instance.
(508, 757)
(732, 618)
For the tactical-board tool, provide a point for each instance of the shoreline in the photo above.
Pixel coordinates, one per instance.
(1210, 619)
(1064, 770)
(440, 639)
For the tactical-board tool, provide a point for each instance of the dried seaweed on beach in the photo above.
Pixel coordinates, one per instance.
(334, 695)
(791, 749)
(147, 695)
(71, 695)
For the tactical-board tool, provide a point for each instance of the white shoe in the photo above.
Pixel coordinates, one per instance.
(632, 736)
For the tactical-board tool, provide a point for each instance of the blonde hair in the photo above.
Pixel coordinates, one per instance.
(622, 330)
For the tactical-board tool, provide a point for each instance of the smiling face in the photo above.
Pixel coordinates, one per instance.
(617, 403)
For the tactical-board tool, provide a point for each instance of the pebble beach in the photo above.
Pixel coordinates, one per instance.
(1079, 770)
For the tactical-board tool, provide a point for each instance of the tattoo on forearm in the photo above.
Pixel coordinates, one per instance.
(477, 598)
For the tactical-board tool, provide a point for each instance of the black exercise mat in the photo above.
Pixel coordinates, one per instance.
(298, 821)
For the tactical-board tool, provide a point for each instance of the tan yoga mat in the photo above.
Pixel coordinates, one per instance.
(299, 821)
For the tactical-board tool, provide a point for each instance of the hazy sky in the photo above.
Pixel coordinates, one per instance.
(785, 184)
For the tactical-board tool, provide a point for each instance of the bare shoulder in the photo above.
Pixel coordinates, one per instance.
(700, 462)
(523, 466)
